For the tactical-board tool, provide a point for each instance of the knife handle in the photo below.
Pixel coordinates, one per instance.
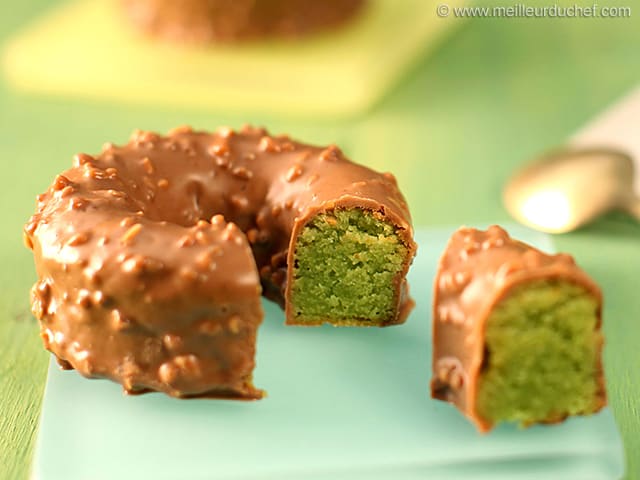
(618, 128)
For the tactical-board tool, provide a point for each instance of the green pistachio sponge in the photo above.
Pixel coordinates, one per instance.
(349, 267)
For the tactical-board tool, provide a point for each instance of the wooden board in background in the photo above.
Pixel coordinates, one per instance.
(86, 49)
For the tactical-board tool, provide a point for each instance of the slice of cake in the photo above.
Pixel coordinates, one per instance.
(516, 332)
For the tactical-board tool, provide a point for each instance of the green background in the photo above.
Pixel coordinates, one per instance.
(497, 92)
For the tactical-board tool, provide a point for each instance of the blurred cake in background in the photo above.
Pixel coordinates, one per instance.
(205, 21)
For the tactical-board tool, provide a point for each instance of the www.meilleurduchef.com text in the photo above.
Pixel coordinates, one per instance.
(521, 10)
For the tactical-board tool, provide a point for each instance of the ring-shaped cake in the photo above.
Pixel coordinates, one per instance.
(152, 257)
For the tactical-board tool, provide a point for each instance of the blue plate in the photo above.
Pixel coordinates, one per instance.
(344, 403)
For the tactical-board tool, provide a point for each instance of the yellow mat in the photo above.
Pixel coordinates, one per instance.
(84, 49)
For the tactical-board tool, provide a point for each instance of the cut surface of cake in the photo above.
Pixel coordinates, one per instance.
(347, 263)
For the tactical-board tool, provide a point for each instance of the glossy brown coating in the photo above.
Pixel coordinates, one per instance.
(476, 271)
(203, 21)
(141, 278)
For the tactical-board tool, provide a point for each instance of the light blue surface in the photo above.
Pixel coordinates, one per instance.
(343, 404)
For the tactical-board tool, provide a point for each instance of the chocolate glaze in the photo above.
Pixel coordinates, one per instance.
(476, 271)
(203, 21)
(151, 256)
